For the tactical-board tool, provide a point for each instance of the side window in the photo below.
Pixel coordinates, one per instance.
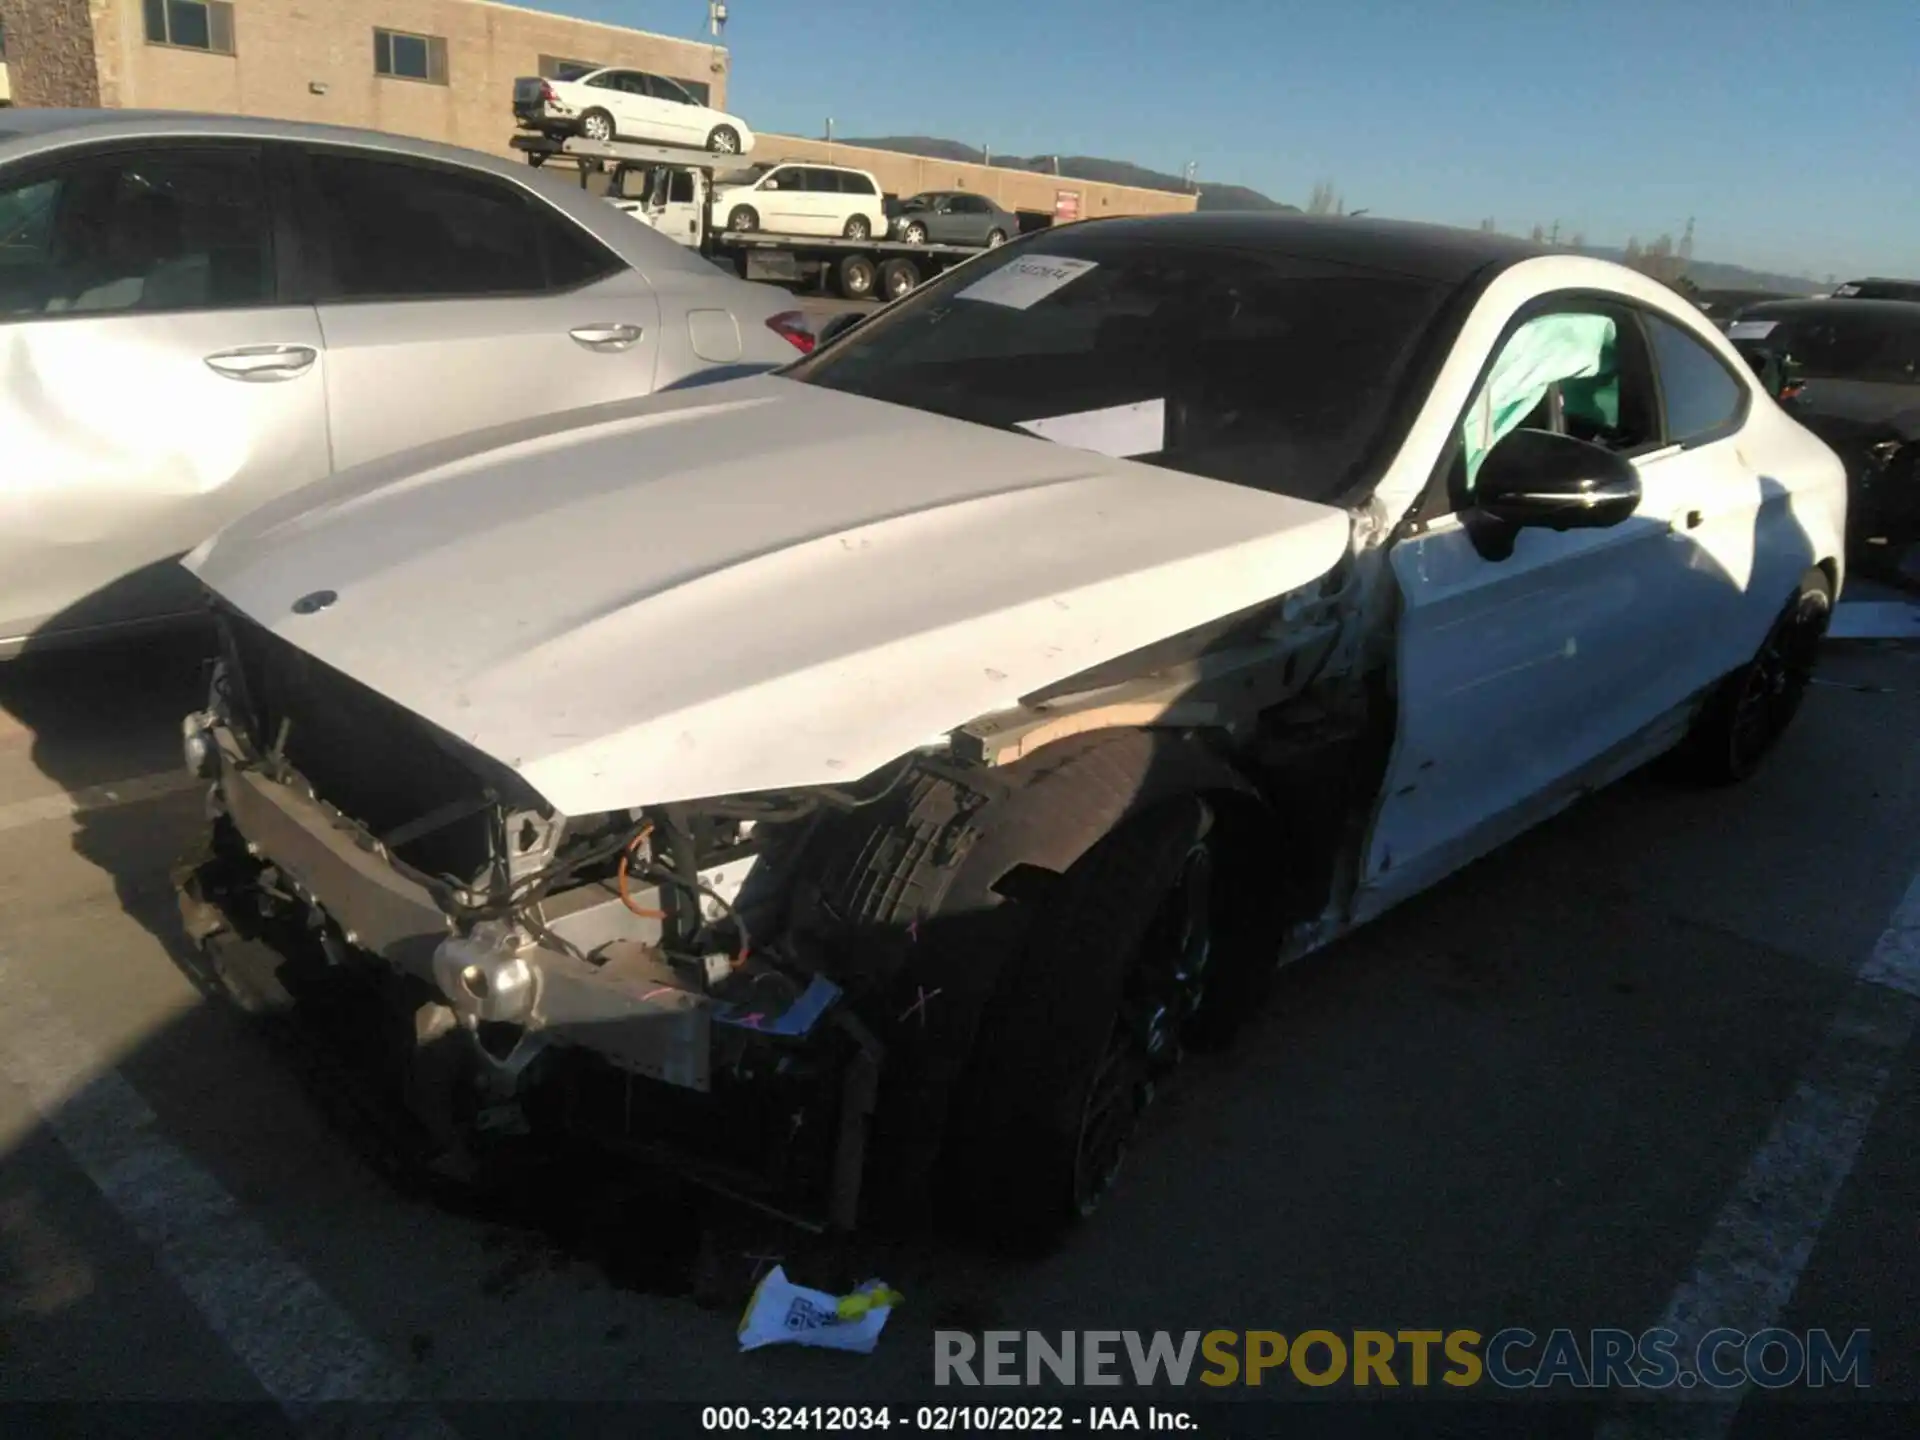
(856, 184)
(402, 231)
(1702, 395)
(1578, 372)
(680, 187)
(575, 257)
(969, 205)
(820, 182)
(665, 89)
(607, 80)
(26, 224)
(178, 229)
(787, 177)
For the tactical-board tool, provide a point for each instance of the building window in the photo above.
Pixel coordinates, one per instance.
(191, 24)
(410, 57)
(552, 67)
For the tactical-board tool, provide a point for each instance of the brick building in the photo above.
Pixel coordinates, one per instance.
(439, 69)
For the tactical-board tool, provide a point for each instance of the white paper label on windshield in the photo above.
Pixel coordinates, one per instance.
(1751, 329)
(1027, 280)
(1119, 431)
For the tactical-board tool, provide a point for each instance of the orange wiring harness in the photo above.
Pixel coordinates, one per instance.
(626, 895)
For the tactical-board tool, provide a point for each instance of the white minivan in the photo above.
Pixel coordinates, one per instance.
(801, 200)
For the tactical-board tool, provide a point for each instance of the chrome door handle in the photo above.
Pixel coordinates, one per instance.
(606, 337)
(263, 362)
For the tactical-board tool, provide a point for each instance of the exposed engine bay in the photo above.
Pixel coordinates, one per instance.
(701, 982)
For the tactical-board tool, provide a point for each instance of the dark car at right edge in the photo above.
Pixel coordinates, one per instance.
(1851, 374)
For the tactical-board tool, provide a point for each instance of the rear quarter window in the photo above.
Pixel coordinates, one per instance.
(1702, 396)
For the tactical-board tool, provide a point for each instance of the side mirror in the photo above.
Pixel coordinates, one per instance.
(1538, 478)
(837, 325)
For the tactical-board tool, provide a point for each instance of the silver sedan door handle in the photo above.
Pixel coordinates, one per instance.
(606, 337)
(264, 362)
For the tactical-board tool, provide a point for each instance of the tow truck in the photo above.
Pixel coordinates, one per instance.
(669, 187)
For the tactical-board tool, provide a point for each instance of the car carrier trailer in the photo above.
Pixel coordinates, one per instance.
(669, 187)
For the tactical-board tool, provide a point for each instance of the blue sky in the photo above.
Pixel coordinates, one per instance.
(1790, 132)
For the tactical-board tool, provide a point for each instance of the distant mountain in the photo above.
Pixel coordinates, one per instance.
(1080, 167)
(1707, 274)
(1719, 275)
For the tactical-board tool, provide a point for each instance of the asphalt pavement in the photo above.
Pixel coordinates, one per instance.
(1554, 1092)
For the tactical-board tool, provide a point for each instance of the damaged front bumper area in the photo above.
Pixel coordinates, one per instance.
(616, 1008)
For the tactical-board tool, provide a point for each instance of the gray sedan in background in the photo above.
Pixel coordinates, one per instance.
(953, 217)
(198, 313)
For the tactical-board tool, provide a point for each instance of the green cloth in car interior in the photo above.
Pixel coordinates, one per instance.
(1575, 352)
(1595, 399)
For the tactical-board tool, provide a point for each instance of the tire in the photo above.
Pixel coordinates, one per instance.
(914, 233)
(1750, 710)
(858, 228)
(597, 125)
(996, 237)
(1085, 1024)
(725, 140)
(933, 891)
(898, 276)
(743, 218)
(856, 276)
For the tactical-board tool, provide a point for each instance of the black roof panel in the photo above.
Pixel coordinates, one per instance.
(1434, 252)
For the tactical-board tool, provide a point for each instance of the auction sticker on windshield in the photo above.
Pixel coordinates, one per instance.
(1750, 329)
(1025, 281)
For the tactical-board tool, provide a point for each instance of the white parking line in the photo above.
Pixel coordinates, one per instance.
(140, 788)
(1746, 1271)
(304, 1350)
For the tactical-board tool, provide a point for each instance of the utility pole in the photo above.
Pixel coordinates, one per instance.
(716, 26)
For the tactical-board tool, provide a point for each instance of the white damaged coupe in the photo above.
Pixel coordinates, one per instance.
(859, 784)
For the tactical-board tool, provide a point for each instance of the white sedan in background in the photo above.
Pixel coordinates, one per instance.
(621, 104)
(197, 314)
(952, 725)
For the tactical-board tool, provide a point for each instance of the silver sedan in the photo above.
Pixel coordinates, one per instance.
(199, 313)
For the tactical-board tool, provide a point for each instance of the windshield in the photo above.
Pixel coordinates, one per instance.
(1839, 344)
(1240, 364)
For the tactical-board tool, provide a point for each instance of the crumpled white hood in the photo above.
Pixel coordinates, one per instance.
(745, 586)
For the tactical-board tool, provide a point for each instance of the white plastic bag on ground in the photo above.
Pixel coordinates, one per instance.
(783, 1313)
